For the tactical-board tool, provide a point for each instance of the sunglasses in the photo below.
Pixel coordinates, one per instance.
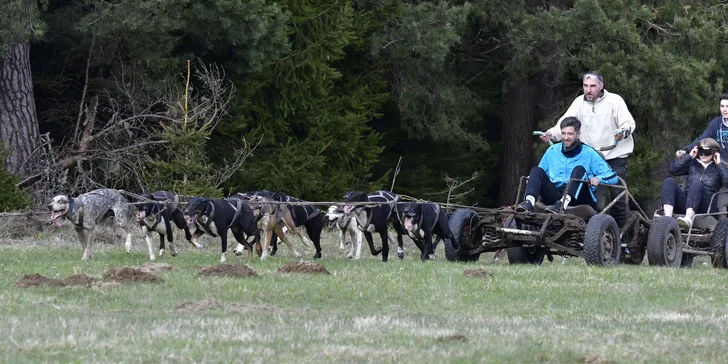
(705, 152)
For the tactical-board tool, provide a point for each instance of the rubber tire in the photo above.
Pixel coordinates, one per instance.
(663, 230)
(521, 255)
(597, 226)
(459, 220)
(635, 257)
(718, 243)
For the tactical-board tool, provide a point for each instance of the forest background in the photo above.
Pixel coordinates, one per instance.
(318, 97)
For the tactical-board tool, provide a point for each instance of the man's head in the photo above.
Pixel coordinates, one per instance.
(570, 131)
(593, 84)
(724, 105)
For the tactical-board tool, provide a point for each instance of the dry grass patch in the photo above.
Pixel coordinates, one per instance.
(477, 273)
(303, 267)
(228, 270)
(204, 305)
(127, 275)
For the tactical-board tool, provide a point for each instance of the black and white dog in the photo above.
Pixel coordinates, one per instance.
(88, 210)
(345, 225)
(215, 216)
(156, 212)
(375, 218)
(275, 214)
(422, 220)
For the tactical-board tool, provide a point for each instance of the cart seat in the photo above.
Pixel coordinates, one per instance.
(583, 211)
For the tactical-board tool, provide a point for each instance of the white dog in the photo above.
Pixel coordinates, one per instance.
(336, 218)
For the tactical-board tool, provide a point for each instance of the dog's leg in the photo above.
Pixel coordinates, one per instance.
(223, 242)
(179, 220)
(240, 238)
(370, 241)
(384, 235)
(427, 253)
(352, 246)
(161, 245)
(267, 231)
(279, 231)
(90, 235)
(82, 238)
(313, 229)
(127, 245)
(356, 240)
(342, 237)
(148, 239)
(168, 232)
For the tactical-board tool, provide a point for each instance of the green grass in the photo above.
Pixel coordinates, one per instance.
(365, 311)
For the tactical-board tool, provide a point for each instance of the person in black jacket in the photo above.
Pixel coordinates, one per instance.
(706, 175)
(717, 129)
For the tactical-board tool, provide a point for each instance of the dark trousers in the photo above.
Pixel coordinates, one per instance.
(696, 198)
(539, 184)
(619, 210)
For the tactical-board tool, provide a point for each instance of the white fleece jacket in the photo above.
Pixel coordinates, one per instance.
(599, 120)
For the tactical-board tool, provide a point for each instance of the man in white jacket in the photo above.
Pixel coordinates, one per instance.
(605, 120)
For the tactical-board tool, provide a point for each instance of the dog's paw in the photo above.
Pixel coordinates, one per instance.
(317, 255)
(161, 252)
(152, 258)
(175, 253)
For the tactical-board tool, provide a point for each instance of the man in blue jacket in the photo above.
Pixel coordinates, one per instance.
(563, 161)
(717, 129)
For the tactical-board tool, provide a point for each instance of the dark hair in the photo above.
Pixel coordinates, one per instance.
(723, 96)
(571, 121)
(593, 74)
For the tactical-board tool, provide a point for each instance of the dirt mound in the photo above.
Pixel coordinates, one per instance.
(36, 280)
(208, 304)
(303, 267)
(150, 267)
(594, 359)
(130, 275)
(228, 270)
(477, 273)
(452, 338)
(79, 280)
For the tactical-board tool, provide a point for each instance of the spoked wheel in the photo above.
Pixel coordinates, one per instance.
(601, 241)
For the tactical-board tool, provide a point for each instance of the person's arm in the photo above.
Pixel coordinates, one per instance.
(573, 110)
(723, 174)
(710, 132)
(625, 120)
(680, 166)
(601, 169)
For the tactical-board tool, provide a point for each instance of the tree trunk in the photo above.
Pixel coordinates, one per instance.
(517, 126)
(18, 120)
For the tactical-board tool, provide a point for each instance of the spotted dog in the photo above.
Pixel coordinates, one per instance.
(156, 212)
(345, 224)
(371, 219)
(422, 220)
(275, 214)
(87, 211)
(216, 216)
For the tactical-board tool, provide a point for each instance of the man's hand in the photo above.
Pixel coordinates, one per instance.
(594, 181)
(680, 153)
(694, 152)
(716, 157)
(619, 134)
(545, 137)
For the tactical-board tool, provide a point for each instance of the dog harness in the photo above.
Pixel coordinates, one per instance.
(372, 197)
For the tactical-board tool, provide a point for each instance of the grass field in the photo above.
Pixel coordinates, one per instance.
(364, 311)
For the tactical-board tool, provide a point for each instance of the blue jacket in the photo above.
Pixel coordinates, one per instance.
(558, 165)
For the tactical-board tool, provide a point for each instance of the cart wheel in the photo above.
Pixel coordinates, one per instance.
(460, 223)
(601, 241)
(664, 242)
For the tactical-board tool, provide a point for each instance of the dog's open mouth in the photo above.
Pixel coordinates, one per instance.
(57, 217)
(141, 215)
(408, 222)
(192, 218)
(331, 222)
(348, 208)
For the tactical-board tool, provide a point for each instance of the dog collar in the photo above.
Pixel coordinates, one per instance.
(71, 205)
